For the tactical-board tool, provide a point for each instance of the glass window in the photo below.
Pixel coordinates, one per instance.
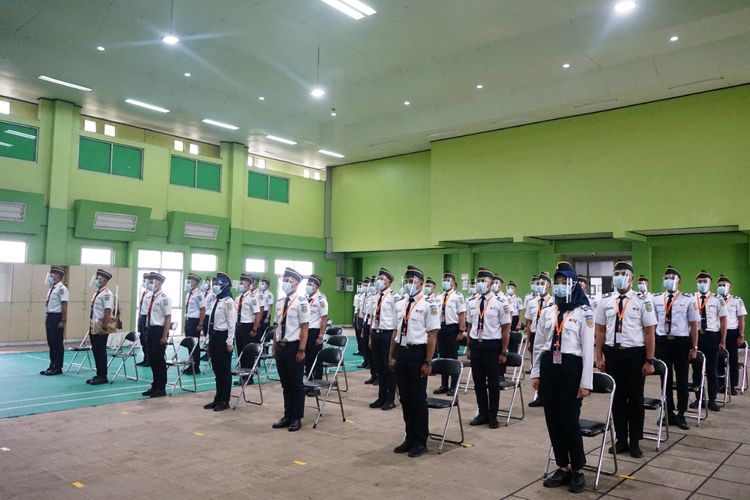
(194, 150)
(179, 145)
(18, 141)
(4, 108)
(255, 265)
(89, 126)
(109, 130)
(171, 260)
(149, 259)
(13, 251)
(96, 256)
(203, 262)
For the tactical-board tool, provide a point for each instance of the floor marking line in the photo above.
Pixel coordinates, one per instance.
(78, 484)
(299, 462)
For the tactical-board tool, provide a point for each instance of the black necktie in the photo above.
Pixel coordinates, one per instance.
(704, 322)
(668, 314)
(480, 323)
(283, 315)
(377, 309)
(618, 319)
(212, 317)
(405, 322)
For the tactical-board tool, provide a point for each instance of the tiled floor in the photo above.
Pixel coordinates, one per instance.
(172, 448)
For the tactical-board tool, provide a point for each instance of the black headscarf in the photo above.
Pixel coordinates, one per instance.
(577, 296)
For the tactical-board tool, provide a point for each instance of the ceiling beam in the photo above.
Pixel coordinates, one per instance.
(531, 241)
(629, 236)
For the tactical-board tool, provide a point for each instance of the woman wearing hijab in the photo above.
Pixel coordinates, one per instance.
(220, 332)
(564, 361)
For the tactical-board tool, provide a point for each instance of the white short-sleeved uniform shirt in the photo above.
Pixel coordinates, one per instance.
(103, 299)
(684, 312)
(161, 307)
(451, 304)
(715, 308)
(526, 299)
(210, 300)
(423, 318)
(145, 301)
(494, 315)
(370, 309)
(471, 304)
(383, 310)
(593, 302)
(637, 313)
(735, 309)
(267, 300)
(534, 308)
(318, 308)
(515, 304)
(296, 313)
(577, 338)
(248, 306)
(225, 317)
(57, 294)
(194, 302)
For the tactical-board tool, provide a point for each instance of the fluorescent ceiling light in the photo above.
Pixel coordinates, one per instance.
(188, 75)
(281, 139)
(352, 8)
(200, 230)
(12, 211)
(115, 222)
(171, 39)
(20, 134)
(100, 48)
(566, 66)
(674, 38)
(317, 92)
(330, 153)
(625, 6)
(261, 98)
(480, 86)
(407, 103)
(64, 83)
(146, 105)
(333, 113)
(6, 145)
(220, 124)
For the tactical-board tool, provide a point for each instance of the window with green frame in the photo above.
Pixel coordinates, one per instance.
(110, 158)
(195, 174)
(268, 187)
(18, 141)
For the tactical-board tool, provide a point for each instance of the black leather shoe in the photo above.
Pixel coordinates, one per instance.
(493, 423)
(54, 372)
(619, 447)
(99, 380)
(417, 450)
(558, 478)
(388, 405)
(403, 447)
(209, 406)
(479, 420)
(734, 391)
(537, 403)
(451, 392)
(284, 422)
(295, 425)
(44, 372)
(147, 393)
(635, 450)
(440, 390)
(694, 405)
(362, 365)
(577, 482)
(158, 394)
(141, 363)
(682, 423)
(378, 403)
(371, 380)
(221, 406)
(713, 406)
(90, 380)
(670, 419)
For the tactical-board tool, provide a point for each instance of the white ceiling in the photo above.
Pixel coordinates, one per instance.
(430, 52)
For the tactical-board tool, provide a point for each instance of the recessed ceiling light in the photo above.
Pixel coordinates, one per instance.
(316, 176)
(171, 39)
(64, 83)
(407, 103)
(100, 48)
(261, 98)
(566, 66)
(333, 113)
(625, 6)
(146, 105)
(20, 134)
(281, 140)
(330, 153)
(220, 124)
(352, 8)
(188, 75)
(480, 86)
(674, 38)
(317, 92)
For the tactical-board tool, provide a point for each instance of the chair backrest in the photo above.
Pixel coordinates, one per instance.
(515, 341)
(173, 325)
(446, 366)
(335, 331)
(660, 368)
(603, 383)
(131, 337)
(337, 340)
(251, 351)
(513, 360)
(188, 343)
(330, 355)
(268, 334)
(698, 361)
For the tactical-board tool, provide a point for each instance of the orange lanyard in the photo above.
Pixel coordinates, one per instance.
(621, 313)
(286, 309)
(239, 302)
(446, 298)
(482, 311)
(411, 310)
(668, 308)
(698, 302)
(151, 304)
(559, 326)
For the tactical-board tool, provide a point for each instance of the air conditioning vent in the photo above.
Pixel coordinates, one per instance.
(12, 212)
(115, 222)
(201, 231)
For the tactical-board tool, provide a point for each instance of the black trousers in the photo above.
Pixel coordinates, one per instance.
(625, 366)
(221, 362)
(312, 350)
(144, 338)
(358, 333)
(562, 409)
(514, 323)
(381, 344)
(734, 367)
(412, 391)
(291, 374)
(158, 363)
(99, 350)
(55, 336)
(264, 321)
(512, 347)
(485, 370)
(191, 330)
(708, 344)
(448, 348)
(242, 338)
(367, 353)
(675, 354)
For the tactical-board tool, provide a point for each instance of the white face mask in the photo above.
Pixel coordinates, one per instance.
(482, 287)
(427, 290)
(642, 287)
(188, 286)
(379, 284)
(703, 287)
(495, 287)
(309, 289)
(411, 289)
(151, 286)
(472, 290)
(286, 287)
(217, 289)
(50, 280)
(722, 289)
(263, 287)
(447, 285)
(511, 290)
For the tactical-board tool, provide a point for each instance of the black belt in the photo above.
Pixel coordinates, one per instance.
(703, 332)
(284, 343)
(383, 331)
(410, 347)
(622, 348)
(51, 314)
(671, 337)
(485, 340)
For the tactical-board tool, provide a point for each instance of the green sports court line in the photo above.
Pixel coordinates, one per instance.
(25, 392)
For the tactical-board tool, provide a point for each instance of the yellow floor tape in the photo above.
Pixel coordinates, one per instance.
(198, 433)
(299, 462)
(78, 485)
(625, 477)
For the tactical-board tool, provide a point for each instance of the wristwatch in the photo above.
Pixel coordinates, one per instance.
(650, 361)
(504, 353)
(428, 362)
(300, 350)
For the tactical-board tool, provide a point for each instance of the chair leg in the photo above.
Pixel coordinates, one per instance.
(346, 380)
(341, 403)
(320, 410)
(549, 459)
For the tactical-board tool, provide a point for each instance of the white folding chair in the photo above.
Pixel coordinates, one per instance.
(340, 342)
(513, 360)
(331, 356)
(659, 404)
(188, 344)
(743, 364)
(450, 368)
(252, 351)
(723, 379)
(83, 349)
(126, 350)
(699, 364)
(603, 384)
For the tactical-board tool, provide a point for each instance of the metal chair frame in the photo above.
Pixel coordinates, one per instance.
(84, 349)
(450, 367)
(182, 365)
(123, 353)
(660, 369)
(335, 357)
(254, 350)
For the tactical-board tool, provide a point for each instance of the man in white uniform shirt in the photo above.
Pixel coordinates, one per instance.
(382, 325)
(144, 299)
(452, 327)
(56, 316)
(100, 320)
(318, 303)
(195, 315)
(736, 313)
(159, 318)
(249, 315)
(266, 302)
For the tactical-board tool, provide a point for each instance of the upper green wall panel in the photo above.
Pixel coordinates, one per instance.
(34, 212)
(86, 211)
(177, 236)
